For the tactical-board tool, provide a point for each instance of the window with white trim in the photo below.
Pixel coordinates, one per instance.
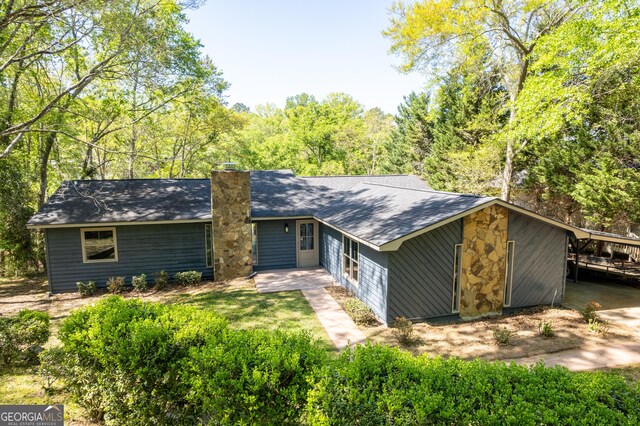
(99, 245)
(208, 244)
(350, 259)
(508, 280)
(457, 276)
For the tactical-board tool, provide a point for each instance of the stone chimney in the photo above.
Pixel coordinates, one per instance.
(231, 224)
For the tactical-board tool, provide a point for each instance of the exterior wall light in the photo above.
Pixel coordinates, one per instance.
(286, 228)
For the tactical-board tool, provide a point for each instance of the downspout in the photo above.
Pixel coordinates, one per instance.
(46, 260)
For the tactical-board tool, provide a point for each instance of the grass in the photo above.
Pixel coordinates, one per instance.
(23, 386)
(244, 308)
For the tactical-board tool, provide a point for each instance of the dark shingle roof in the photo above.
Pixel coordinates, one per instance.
(380, 214)
(136, 200)
(278, 193)
(375, 208)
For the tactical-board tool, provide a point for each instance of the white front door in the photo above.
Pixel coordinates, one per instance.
(307, 232)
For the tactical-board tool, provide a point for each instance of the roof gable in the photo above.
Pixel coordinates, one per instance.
(380, 214)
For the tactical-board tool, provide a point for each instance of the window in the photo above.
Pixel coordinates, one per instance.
(350, 259)
(306, 236)
(99, 245)
(208, 244)
(457, 275)
(254, 243)
(508, 280)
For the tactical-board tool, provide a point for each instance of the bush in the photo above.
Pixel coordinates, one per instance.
(403, 331)
(161, 280)
(588, 311)
(379, 385)
(598, 326)
(359, 312)
(187, 278)
(139, 282)
(545, 329)
(22, 337)
(115, 285)
(88, 289)
(502, 336)
(136, 363)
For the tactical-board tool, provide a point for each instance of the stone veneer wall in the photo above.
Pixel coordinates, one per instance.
(484, 253)
(231, 224)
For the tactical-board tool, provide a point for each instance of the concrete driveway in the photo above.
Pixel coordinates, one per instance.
(620, 303)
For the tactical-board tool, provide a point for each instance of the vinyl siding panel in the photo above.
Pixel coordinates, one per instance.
(372, 285)
(276, 248)
(421, 274)
(141, 249)
(539, 262)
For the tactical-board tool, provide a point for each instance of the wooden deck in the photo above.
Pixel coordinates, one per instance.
(614, 267)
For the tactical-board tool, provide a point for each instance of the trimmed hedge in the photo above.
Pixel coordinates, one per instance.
(379, 385)
(22, 337)
(137, 363)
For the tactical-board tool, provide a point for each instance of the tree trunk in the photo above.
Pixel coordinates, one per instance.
(49, 140)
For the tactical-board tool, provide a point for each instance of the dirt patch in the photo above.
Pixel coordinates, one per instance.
(32, 293)
(474, 339)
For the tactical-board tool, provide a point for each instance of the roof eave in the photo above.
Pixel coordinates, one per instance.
(90, 224)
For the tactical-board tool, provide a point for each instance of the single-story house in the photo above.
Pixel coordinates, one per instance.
(400, 246)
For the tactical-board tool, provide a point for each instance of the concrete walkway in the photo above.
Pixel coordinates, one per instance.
(292, 279)
(312, 282)
(588, 359)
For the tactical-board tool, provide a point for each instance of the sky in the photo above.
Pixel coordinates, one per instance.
(272, 49)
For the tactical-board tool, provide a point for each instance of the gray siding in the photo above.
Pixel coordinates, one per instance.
(372, 286)
(421, 274)
(539, 262)
(276, 248)
(141, 249)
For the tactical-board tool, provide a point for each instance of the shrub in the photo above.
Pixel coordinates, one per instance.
(545, 329)
(139, 282)
(187, 278)
(588, 311)
(379, 385)
(115, 285)
(161, 280)
(598, 326)
(502, 336)
(88, 289)
(22, 337)
(254, 377)
(359, 312)
(403, 331)
(131, 362)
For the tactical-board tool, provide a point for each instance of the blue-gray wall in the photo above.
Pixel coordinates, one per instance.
(372, 286)
(276, 248)
(539, 262)
(141, 249)
(421, 274)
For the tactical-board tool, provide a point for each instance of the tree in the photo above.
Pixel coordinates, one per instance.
(581, 111)
(438, 35)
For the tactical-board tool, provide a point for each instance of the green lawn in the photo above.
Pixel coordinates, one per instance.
(244, 308)
(23, 386)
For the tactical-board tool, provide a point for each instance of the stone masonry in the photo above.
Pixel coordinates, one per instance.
(231, 224)
(484, 253)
